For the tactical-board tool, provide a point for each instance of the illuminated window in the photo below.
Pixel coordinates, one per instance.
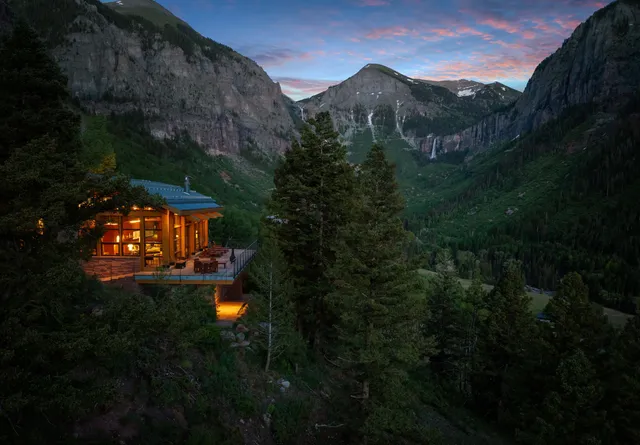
(176, 240)
(110, 249)
(152, 238)
(111, 238)
(131, 236)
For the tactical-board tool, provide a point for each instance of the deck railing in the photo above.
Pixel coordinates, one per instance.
(242, 259)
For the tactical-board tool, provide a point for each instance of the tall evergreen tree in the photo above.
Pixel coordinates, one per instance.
(474, 312)
(502, 348)
(270, 311)
(377, 296)
(313, 196)
(574, 321)
(46, 197)
(570, 410)
(446, 325)
(622, 398)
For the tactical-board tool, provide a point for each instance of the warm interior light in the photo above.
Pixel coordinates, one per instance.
(130, 247)
(134, 221)
(118, 239)
(135, 208)
(111, 224)
(148, 208)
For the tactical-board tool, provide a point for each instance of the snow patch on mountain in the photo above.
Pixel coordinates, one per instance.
(467, 92)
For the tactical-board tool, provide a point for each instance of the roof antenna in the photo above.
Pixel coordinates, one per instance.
(187, 184)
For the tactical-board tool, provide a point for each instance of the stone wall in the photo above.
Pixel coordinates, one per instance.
(108, 269)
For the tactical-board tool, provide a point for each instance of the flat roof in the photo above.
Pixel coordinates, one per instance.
(178, 200)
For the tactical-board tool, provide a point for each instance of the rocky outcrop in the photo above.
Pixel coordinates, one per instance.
(600, 63)
(180, 80)
(492, 129)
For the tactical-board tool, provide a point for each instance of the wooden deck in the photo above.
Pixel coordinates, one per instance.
(226, 273)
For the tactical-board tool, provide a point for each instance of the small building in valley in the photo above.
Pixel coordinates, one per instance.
(170, 245)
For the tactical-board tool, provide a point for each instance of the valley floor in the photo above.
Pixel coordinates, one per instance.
(539, 301)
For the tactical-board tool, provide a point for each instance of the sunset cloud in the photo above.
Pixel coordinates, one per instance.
(303, 44)
(393, 31)
(278, 57)
(300, 88)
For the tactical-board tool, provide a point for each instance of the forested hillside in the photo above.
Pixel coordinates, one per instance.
(562, 198)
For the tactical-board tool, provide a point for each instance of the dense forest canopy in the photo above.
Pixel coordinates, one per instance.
(559, 199)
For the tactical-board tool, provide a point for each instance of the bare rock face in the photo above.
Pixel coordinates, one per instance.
(224, 101)
(391, 104)
(599, 63)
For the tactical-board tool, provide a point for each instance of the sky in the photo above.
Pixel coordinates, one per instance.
(309, 45)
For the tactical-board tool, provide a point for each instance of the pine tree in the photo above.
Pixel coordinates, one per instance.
(377, 296)
(574, 321)
(570, 410)
(622, 399)
(270, 311)
(313, 196)
(46, 196)
(473, 314)
(504, 338)
(446, 325)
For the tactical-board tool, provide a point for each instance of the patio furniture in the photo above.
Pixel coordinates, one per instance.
(197, 266)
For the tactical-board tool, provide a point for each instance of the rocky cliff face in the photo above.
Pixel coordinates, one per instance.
(600, 62)
(179, 79)
(388, 103)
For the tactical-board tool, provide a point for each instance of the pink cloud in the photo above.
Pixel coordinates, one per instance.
(502, 25)
(443, 32)
(282, 56)
(484, 67)
(569, 24)
(389, 32)
(301, 88)
(541, 25)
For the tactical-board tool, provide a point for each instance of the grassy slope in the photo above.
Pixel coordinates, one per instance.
(539, 301)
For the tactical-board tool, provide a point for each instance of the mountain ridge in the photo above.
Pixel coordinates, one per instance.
(386, 102)
(180, 80)
(598, 62)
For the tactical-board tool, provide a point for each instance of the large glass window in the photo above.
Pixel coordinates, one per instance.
(152, 239)
(111, 238)
(176, 241)
(131, 236)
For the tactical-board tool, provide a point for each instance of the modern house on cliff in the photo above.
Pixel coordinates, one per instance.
(170, 245)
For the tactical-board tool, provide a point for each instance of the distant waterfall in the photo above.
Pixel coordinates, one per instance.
(370, 122)
(301, 112)
(433, 149)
